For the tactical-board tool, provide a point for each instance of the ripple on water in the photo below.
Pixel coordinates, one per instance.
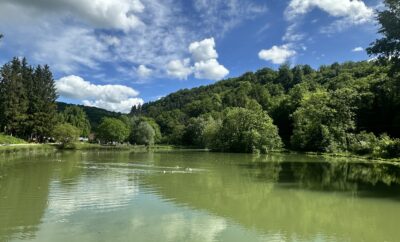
(102, 187)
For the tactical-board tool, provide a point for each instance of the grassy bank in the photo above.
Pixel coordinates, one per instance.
(6, 139)
(14, 148)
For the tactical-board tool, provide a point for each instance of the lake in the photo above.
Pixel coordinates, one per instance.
(196, 196)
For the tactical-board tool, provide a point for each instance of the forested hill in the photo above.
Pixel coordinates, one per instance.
(313, 109)
(94, 115)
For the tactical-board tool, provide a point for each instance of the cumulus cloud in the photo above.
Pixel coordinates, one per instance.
(349, 12)
(205, 65)
(358, 49)
(203, 50)
(111, 97)
(277, 54)
(143, 71)
(123, 106)
(180, 69)
(210, 69)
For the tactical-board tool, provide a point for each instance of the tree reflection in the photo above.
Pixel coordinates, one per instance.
(24, 190)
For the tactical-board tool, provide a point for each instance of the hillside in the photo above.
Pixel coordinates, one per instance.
(353, 96)
(94, 114)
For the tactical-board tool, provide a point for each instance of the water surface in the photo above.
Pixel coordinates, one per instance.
(196, 196)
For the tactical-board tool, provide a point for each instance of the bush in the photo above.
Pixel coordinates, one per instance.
(143, 134)
(368, 144)
(248, 131)
(112, 130)
(363, 143)
(66, 134)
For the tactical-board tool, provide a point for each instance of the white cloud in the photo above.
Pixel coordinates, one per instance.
(349, 12)
(354, 10)
(123, 106)
(210, 69)
(116, 14)
(205, 65)
(180, 69)
(203, 50)
(144, 71)
(358, 49)
(111, 97)
(277, 54)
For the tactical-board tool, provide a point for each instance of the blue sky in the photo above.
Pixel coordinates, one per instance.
(117, 53)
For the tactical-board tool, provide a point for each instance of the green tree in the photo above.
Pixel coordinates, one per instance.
(285, 76)
(66, 134)
(322, 121)
(42, 97)
(143, 134)
(112, 130)
(246, 130)
(388, 46)
(14, 101)
(75, 116)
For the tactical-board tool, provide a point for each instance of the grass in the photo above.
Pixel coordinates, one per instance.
(6, 139)
(26, 148)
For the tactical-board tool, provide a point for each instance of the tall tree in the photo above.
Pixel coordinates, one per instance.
(388, 47)
(14, 103)
(43, 102)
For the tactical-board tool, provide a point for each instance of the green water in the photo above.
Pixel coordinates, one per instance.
(196, 196)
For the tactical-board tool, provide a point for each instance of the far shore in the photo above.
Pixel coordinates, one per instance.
(38, 147)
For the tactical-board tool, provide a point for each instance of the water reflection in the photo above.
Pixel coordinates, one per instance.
(197, 196)
(281, 195)
(24, 189)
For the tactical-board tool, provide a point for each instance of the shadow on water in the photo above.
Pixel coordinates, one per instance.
(24, 189)
(291, 195)
(366, 179)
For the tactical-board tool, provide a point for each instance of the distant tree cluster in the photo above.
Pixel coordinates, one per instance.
(137, 130)
(27, 100)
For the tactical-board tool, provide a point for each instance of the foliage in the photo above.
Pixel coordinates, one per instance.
(322, 121)
(244, 130)
(368, 144)
(65, 134)
(388, 48)
(94, 115)
(75, 116)
(143, 134)
(27, 105)
(112, 130)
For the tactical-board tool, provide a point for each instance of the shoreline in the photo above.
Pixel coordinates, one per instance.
(33, 148)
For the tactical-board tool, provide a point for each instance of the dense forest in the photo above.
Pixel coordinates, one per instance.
(94, 115)
(339, 107)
